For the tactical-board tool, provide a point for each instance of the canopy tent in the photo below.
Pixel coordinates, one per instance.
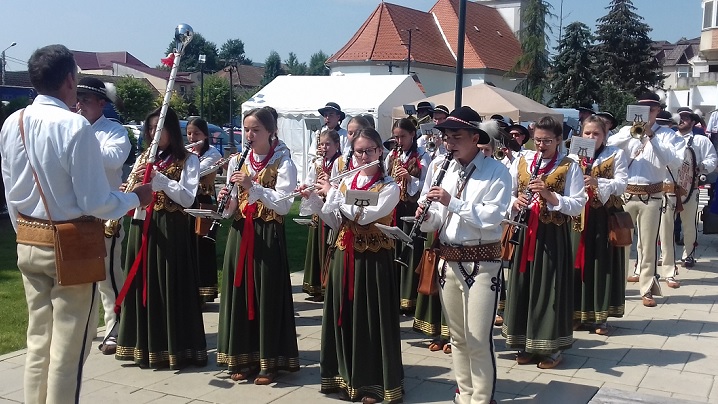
(299, 97)
(488, 100)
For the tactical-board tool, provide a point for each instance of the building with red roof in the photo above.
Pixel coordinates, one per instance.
(491, 48)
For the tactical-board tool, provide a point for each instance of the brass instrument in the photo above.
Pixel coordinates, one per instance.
(395, 167)
(638, 130)
(499, 154)
(409, 247)
(112, 226)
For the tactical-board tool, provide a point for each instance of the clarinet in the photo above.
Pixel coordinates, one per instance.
(212, 233)
(522, 217)
(406, 252)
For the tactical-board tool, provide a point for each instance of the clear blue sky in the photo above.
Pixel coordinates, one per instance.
(145, 28)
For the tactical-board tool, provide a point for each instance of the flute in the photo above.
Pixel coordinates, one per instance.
(337, 177)
(191, 146)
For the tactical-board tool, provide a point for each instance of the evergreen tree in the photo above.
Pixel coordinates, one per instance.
(294, 67)
(574, 81)
(272, 68)
(190, 58)
(317, 65)
(234, 49)
(624, 52)
(534, 61)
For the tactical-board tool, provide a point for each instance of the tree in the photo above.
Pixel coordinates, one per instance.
(534, 61)
(294, 67)
(234, 49)
(625, 56)
(317, 65)
(272, 68)
(190, 58)
(615, 101)
(574, 81)
(137, 98)
(177, 103)
(216, 99)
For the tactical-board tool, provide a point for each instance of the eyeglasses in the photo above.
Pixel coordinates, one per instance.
(369, 152)
(546, 142)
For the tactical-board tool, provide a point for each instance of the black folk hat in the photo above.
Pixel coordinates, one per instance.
(585, 108)
(465, 118)
(521, 129)
(425, 105)
(692, 115)
(333, 106)
(441, 108)
(649, 99)
(504, 121)
(665, 118)
(92, 85)
(612, 119)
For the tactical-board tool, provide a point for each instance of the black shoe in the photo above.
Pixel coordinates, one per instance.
(689, 262)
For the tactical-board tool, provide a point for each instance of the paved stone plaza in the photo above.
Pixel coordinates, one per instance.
(650, 354)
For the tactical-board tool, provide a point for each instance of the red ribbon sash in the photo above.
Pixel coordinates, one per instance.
(246, 252)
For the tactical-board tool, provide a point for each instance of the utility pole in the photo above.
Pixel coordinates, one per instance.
(3, 61)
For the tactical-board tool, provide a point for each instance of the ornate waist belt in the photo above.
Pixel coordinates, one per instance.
(39, 232)
(644, 189)
(475, 253)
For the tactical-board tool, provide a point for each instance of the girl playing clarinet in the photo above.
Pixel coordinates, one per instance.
(257, 335)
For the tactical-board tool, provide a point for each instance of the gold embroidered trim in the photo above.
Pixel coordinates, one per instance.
(330, 384)
(268, 179)
(161, 359)
(252, 359)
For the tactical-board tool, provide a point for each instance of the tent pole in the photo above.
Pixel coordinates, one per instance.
(460, 54)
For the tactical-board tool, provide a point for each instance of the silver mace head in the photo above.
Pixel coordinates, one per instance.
(183, 36)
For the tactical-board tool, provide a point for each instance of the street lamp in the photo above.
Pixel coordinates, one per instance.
(202, 60)
(231, 67)
(3, 61)
(408, 56)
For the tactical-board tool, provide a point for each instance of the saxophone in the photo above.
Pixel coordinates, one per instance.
(396, 165)
(112, 226)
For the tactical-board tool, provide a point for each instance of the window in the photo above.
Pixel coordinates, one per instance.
(684, 71)
(183, 90)
(708, 17)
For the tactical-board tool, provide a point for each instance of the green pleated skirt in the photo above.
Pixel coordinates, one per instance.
(168, 331)
(314, 259)
(269, 342)
(206, 256)
(408, 278)
(538, 316)
(362, 356)
(428, 317)
(600, 292)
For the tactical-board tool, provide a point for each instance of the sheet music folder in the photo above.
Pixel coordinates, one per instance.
(393, 232)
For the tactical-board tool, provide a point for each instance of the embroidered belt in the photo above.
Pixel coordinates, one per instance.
(644, 189)
(39, 232)
(671, 188)
(474, 253)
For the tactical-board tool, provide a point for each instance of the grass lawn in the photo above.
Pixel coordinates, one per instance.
(13, 310)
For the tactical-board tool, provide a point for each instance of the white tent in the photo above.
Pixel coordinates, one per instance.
(299, 97)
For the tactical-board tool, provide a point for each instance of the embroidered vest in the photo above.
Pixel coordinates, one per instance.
(268, 179)
(366, 237)
(555, 182)
(174, 172)
(605, 170)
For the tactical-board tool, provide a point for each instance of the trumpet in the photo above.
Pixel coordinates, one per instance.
(337, 177)
(499, 153)
(638, 130)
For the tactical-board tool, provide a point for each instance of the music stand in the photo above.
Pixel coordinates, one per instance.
(583, 147)
(204, 214)
(312, 124)
(361, 199)
(409, 109)
(393, 232)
